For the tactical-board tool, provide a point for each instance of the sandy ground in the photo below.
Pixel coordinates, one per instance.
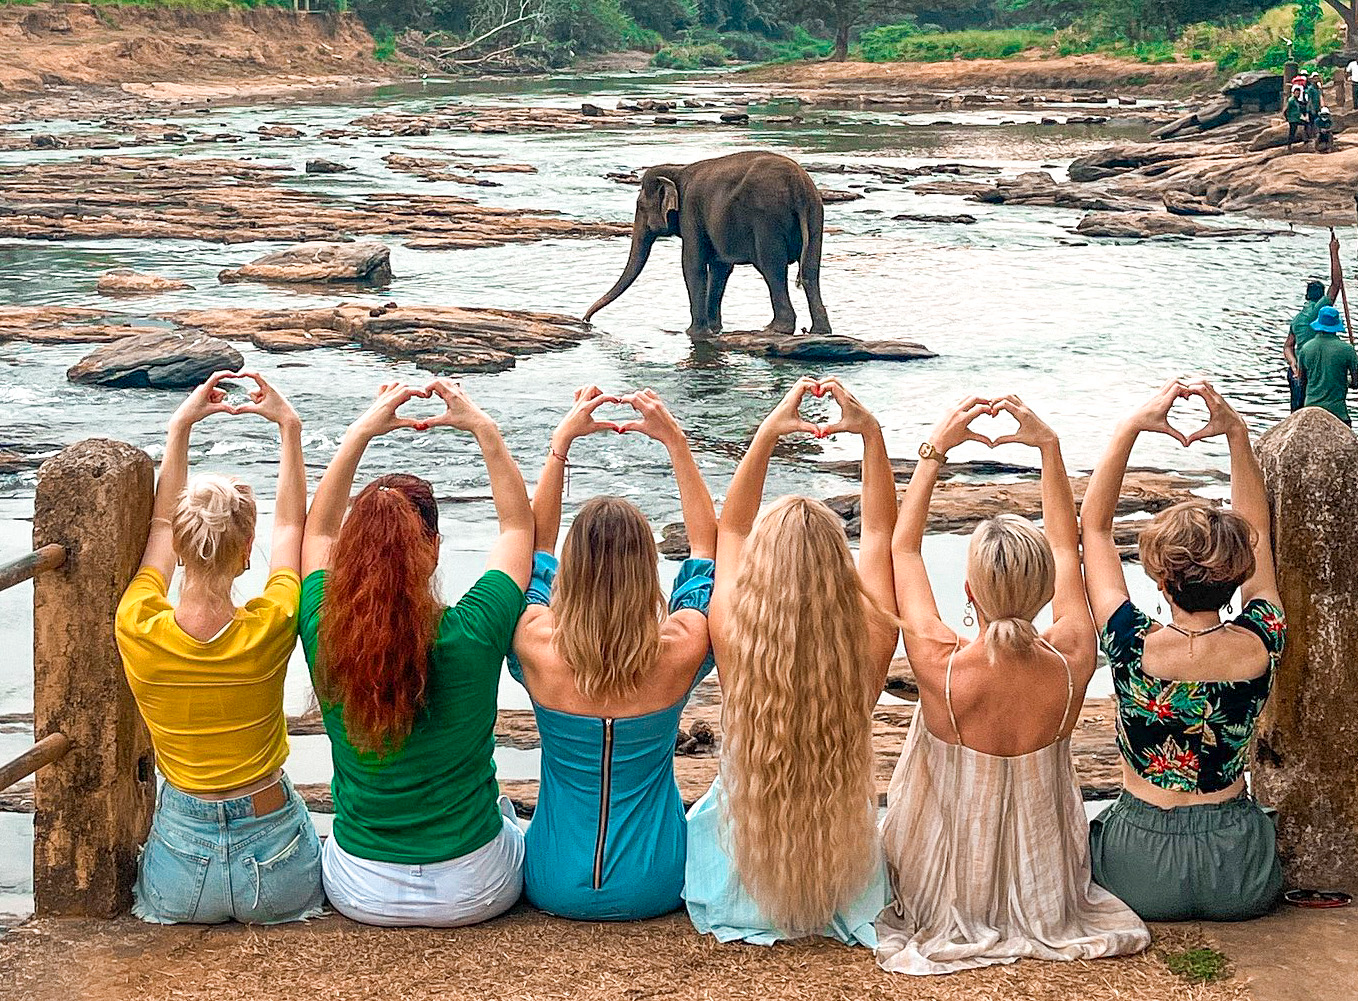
(1088, 72)
(527, 955)
(177, 54)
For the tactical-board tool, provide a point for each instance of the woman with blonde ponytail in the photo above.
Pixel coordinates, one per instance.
(408, 686)
(230, 837)
(985, 830)
(784, 844)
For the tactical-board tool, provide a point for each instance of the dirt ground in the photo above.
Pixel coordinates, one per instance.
(173, 53)
(1088, 72)
(527, 956)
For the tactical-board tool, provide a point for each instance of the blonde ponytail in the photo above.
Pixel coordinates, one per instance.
(213, 524)
(1012, 575)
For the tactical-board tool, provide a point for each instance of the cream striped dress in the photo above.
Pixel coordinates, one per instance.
(989, 859)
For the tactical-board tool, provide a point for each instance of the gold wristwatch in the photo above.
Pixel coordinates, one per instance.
(927, 451)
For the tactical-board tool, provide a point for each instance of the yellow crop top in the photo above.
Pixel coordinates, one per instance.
(214, 707)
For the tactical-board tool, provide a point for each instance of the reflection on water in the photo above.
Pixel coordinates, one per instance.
(1013, 303)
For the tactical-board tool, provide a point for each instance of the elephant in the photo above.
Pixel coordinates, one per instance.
(755, 208)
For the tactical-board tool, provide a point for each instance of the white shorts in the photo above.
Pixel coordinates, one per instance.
(460, 891)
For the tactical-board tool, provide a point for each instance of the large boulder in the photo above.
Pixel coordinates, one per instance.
(366, 262)
(1182, 203)
(1304, 764)
(1255, 86)
(1136, 225)
(125, 281)
(162, 361)
(819, 347)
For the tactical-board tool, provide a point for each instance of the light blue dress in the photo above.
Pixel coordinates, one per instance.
(719, 904)
(608, 837)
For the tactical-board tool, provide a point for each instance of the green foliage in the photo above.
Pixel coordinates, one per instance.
(384, 44)
(1198, 966)
(691, 57)
(664, 17)
(1304, 21)
(906, 43)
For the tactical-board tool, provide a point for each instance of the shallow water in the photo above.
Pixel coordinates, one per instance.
(1014, 303)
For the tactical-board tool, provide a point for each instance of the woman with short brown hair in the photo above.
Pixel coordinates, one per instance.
(1186, 840)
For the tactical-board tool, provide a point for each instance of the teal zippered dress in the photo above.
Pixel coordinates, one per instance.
(608, 840)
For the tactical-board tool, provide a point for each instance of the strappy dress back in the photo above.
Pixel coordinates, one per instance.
(989, 857)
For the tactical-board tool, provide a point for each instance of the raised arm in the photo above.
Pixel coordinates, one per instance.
(1104, 579)
(878, 519)
(1248, 497)
(746, 492)
(289, 519)
(1070, 606)
(174, 471)
(332, 496)
(578, 422)
(512, 552)
(700, 516)
(914, 595)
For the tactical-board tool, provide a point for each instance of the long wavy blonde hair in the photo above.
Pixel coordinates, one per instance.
(607, 599)
(797, 764)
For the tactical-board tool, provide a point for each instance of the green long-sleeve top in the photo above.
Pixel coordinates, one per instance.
(1293, 111)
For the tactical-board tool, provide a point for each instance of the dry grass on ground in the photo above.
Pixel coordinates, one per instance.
(527, 956)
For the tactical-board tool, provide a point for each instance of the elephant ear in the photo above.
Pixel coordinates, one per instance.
(669, 197)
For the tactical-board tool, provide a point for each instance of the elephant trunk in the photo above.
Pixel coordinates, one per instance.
(642, 240)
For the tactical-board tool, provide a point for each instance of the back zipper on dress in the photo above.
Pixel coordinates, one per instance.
(605, 794)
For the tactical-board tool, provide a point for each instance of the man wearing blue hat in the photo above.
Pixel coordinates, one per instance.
(1329, 365)
(1299, 332)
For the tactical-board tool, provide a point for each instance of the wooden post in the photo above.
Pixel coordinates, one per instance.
(93, 807)
(1304, 765)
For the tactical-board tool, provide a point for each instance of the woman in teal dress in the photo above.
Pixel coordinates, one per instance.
(785, 843)
(609, 668)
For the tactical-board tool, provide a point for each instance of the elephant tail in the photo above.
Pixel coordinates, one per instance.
(812, 222)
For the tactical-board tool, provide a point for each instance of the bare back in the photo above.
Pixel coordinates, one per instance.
(1013, 707)
(551, 681)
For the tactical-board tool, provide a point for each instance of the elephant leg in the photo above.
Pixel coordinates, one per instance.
(774, 270)
(695, 280)
(718, 273)
(820, 320)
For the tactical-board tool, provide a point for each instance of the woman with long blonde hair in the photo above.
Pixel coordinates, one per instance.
(784, 844)
(609, 665)
(985, 829)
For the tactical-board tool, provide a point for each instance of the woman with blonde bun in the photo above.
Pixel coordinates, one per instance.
(1186, 840)
(230, 838)
(784, 844)
(985, 831)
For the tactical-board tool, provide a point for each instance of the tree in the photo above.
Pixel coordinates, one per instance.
(842, 16)
(1348, 12)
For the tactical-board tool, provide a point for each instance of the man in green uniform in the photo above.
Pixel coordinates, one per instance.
(1314, 101)
(1295, 116)
(1330, 365)
(1300, 332)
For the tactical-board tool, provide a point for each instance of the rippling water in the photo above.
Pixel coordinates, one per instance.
(1014, 303)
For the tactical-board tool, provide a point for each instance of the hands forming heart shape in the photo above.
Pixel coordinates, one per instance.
(956, 426)
(1154, 414)
(458, 409)
(212, 398)
(653, 418)
(786, 418)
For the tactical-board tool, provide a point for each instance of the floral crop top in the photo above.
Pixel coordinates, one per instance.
(1188, 736)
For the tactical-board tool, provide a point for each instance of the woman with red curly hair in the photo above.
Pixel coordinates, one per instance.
(408, 687)
(1186, 840)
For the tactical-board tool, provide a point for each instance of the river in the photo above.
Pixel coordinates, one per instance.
(1015, 303)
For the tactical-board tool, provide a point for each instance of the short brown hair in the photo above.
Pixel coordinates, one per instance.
(1199, 553)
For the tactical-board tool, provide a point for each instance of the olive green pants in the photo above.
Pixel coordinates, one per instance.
(1216, 862)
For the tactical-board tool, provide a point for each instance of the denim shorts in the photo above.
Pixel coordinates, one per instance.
(206, 862)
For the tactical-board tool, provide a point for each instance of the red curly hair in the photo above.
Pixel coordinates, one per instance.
(381, 614)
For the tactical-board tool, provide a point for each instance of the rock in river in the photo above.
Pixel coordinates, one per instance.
(820, 347)
(161, 361)
(368, 262)
(322, 166)
(125, 281)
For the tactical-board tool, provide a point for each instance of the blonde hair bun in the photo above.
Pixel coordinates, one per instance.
(1012, 574)
(214, 523)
